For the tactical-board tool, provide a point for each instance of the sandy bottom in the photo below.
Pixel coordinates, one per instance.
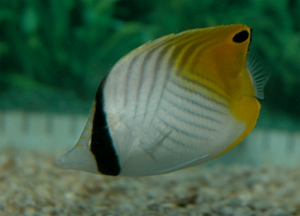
(31, 184)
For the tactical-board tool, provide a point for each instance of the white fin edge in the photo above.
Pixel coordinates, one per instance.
(78, 158)
(190, 163)
(258, 73)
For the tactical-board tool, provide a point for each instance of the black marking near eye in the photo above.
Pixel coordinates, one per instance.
(241, 36)
(101, 143)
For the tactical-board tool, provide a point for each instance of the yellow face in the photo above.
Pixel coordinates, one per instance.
(216, 59)
(202, 60)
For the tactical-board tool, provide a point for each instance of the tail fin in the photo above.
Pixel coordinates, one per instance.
(80, 157)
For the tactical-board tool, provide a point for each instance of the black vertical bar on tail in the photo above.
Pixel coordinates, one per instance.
(101, 143)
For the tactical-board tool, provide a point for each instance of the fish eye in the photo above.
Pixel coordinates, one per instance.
(241, 36)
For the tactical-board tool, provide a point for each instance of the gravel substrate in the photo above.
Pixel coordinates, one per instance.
(31, 184)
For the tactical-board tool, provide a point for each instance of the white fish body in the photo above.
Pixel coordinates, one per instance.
(159, 115)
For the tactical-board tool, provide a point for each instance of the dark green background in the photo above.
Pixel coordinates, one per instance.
(54, 53)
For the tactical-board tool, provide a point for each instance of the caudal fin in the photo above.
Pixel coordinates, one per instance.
(79, 158)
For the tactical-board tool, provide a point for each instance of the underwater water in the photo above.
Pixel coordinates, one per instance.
(53, 56)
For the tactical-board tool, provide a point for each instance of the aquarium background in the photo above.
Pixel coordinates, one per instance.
(54, 54)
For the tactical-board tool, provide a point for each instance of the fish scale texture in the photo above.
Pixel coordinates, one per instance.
(30, 184)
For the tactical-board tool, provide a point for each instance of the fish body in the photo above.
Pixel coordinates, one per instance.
(179, 101)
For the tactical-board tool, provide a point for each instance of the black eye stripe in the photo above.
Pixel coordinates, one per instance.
(241, 36)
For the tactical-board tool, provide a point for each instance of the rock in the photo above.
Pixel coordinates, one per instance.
(30, 184)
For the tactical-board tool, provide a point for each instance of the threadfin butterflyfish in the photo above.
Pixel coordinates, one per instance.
(178, 101)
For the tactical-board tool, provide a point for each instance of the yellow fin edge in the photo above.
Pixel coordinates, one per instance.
(247, 110)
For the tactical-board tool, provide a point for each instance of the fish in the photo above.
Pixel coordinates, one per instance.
(172, 103)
